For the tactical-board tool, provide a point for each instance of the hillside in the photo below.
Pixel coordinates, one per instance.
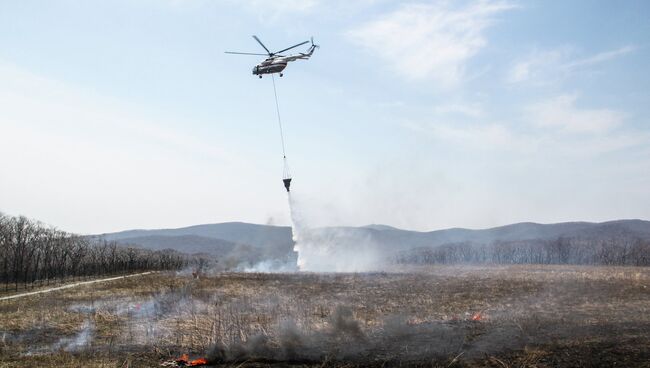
(189, 243)
(276, 241)
(233, 232)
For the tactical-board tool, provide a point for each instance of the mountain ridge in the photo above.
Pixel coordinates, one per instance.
(222, 237)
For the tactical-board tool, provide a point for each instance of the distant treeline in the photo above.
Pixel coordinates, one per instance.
(33, 253)
(622, 251)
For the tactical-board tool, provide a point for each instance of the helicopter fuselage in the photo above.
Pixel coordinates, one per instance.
(270, 66)
(276, 62)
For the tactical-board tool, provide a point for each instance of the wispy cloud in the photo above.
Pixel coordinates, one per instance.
(538, 66)
(472, 110)
(561, 112)
(476, 136)
(555, 126)
(277, 8)
(600, 57)
(293, 10)
(36, 101)
(74, 153)
(549, 66)
(430, 41)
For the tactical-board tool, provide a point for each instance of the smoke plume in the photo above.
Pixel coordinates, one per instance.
(331, 249)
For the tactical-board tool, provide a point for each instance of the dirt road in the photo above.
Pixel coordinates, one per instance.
(71, 286)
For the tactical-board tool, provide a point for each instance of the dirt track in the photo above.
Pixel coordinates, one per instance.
(71, 286)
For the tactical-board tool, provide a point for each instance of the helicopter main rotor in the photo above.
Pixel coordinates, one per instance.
(269, 53)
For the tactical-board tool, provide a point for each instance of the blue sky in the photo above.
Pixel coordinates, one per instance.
(417, 114)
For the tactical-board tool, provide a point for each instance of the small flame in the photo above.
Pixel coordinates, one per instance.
(478, 316)
(184, 361)
(197, 362)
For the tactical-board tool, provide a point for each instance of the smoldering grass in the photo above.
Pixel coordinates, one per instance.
(363, 318)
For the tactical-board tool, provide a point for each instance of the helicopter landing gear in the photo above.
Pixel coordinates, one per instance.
(281, 74)
(260, 77)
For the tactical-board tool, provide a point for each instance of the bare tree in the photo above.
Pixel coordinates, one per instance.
(32, 252)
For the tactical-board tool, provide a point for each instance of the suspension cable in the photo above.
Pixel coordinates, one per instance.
(277, 108)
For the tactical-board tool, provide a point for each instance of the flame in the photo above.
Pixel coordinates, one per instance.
(478, 316)
(184, 361)
(197, 362)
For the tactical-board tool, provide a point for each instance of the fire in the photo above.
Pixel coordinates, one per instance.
(197, 362)
(478, 316)
(184, 361)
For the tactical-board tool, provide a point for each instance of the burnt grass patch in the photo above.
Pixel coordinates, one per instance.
(451, 316)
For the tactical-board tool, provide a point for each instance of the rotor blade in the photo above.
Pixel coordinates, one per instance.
(289, 48)
(260, 42)
(244, 53)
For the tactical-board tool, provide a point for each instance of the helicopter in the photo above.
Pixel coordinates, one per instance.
(275, 62)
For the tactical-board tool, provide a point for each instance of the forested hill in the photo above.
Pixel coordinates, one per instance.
(273, 242)
(232, 232)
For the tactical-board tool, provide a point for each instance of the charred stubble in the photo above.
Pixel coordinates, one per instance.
(444, 316)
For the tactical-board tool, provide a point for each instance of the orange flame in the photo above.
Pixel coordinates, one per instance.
(197, 362)
(478, 316)
(184, 360)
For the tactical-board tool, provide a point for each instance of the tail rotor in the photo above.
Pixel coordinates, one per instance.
(313, 46)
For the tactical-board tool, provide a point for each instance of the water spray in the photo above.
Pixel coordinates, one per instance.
(286, 179)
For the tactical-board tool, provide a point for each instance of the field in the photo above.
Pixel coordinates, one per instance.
(462, 316)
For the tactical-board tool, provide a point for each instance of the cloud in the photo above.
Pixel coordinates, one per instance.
(296, 11)
(51, 105)
(543, 67)
(561, 112)
(555, 127)
(91, 163)
(472, 110)
(278, 8)
(538, 66)
(600, 57)
(552, 159)
(476, 137)
(430, 41)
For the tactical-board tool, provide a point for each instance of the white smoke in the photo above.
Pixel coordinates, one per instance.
(331, 249)
(268, 266)
(79, 341)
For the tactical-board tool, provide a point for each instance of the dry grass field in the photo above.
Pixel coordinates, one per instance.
(494, 316)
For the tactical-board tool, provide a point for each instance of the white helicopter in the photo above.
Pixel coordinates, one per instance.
(275, 62)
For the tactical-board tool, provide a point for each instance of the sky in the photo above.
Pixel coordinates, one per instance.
(417, 114)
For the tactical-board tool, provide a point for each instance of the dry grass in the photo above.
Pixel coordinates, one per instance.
(532, 316)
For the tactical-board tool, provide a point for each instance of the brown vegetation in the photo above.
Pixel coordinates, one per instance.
(620, 250)
(529, 316)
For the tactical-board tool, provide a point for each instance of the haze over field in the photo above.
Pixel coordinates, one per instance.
(251, 247)
(420, 114)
